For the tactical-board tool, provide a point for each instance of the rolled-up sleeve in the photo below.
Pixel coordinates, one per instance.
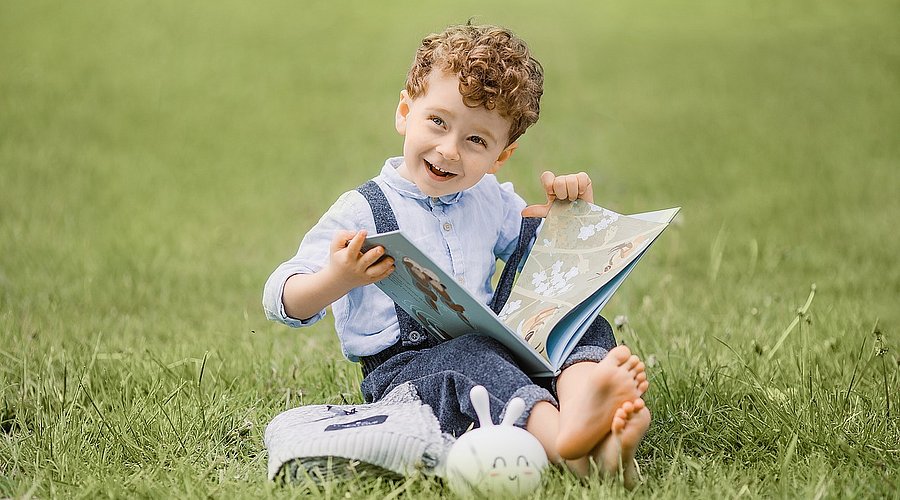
(311, 257)
(274, 291)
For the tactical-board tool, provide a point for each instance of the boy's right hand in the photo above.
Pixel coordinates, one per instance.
(352, 268)
(348, 268)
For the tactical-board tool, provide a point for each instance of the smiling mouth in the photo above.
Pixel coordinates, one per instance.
(438, 172)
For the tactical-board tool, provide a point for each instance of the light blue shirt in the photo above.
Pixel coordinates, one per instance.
(464, 233)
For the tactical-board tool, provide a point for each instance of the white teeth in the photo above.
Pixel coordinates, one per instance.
(435, 167)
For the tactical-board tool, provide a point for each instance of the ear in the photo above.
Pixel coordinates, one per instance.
(402, 112)
(514, 410)
(481, 401)
(504, 155)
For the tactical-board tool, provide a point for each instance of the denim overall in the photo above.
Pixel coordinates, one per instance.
(443, 373)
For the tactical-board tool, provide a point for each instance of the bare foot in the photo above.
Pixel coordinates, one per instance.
(590, 394)
(615, 454)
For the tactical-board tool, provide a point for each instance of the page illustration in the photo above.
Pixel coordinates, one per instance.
(580, 248)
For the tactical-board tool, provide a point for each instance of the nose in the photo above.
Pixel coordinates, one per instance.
(448, 149)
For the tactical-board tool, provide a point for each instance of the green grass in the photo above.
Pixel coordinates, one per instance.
(158, 160)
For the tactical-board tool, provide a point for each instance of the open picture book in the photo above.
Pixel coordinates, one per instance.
(581, 255)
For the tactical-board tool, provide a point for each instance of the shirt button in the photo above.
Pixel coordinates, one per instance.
(447, 226)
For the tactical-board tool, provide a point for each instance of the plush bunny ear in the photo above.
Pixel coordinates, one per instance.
(513, 411)
(482, 404)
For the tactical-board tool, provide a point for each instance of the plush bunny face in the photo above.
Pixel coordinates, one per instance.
(495, 460)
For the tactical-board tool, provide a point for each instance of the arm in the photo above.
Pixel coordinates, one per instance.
(307, 294)
(564, 187)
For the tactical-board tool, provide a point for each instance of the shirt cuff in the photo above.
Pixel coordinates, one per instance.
(274, 307)
(282, 317)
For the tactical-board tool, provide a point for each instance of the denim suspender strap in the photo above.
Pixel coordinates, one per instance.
(599, 328)
(412, 335)
(508, 276)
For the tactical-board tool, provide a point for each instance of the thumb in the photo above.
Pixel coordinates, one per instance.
(340, 240)
(537, 210)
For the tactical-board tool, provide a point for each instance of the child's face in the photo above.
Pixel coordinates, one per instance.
(448, 146)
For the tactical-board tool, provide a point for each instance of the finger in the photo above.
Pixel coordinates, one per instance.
(381, 269)
(371, 256)
(355, 244)
(536, 210)
(585, 189)
(547, 179)
(572, 187)
(340, 239)
(559, 188)
(383, 275)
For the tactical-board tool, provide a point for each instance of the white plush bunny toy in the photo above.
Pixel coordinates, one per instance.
(495, 460)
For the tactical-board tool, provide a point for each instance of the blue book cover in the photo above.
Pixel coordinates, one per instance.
(581, 255)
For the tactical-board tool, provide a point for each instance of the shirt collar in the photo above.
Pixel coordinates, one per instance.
(408, 188)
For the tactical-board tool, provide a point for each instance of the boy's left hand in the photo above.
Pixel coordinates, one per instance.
(564, 187)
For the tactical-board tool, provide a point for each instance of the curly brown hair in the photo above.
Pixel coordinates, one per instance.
(495, 68)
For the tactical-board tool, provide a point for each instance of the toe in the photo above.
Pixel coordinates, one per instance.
(618, 422)
(632, 362)
(643, 386)
(620, 354)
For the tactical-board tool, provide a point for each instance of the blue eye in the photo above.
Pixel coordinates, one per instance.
(478, 140)
(437, 121)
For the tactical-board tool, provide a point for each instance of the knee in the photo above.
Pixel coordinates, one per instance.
(600, 334)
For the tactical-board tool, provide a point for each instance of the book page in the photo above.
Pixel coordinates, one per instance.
(580, 248)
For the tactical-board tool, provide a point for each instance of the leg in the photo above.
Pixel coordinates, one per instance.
(444, 375)
(589, 395)
(603, 383)
(543, 423)
(615, 454)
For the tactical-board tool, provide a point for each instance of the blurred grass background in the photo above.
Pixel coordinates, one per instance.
(159, 159)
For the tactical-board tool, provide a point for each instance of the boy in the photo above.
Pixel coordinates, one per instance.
(471, 93)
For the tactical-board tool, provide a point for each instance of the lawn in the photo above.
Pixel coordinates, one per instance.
(159, 159)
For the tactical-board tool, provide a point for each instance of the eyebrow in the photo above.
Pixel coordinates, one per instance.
(478, 130)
